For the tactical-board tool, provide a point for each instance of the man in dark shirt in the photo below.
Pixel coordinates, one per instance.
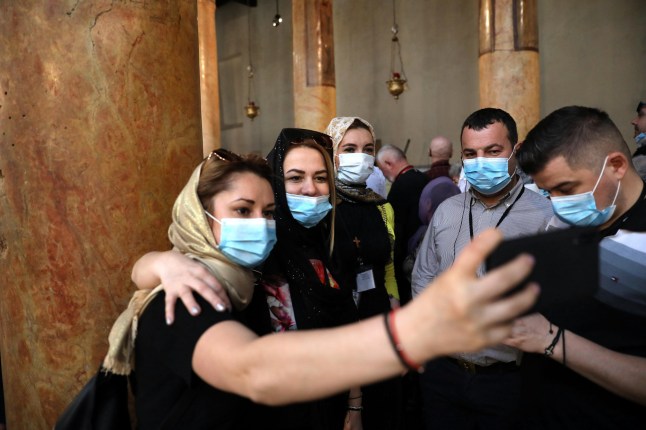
(407, 185)
(588, 369)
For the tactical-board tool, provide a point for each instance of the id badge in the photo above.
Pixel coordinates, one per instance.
(365, 279)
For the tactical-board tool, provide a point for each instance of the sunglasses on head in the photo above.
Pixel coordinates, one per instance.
(223, 155)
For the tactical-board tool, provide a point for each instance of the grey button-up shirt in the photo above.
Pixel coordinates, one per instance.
(448, 233)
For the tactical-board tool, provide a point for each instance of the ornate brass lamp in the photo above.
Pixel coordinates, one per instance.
(251, 110)
(396, 85)
(397, 82)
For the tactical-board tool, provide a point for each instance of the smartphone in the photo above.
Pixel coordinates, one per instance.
(566, 265)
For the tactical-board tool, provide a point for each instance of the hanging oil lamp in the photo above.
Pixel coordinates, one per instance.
(251, 109)
(397, 82)
(396, 85)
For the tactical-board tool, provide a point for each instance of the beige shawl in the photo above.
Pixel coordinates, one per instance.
(191, 235)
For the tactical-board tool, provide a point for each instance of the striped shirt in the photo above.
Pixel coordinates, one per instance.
(449, 232)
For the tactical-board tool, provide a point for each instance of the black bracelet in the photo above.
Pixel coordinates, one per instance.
(394, 341)
(550, 349)
(564, 362)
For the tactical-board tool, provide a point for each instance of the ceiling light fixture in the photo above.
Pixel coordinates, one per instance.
(277, 18)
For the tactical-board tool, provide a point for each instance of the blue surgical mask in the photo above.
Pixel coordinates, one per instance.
(354, 168)
(640, 139)
(308, 211)
(246, 241)
(487, 175)
(581, 209)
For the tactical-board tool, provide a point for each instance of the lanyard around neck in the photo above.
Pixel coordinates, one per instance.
(504, 215)
(404, 170)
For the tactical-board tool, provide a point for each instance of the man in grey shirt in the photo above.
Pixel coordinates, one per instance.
(479, 390)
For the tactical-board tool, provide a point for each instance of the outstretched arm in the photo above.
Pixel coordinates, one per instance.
(180, 276)
(460, 313)
(622, 374)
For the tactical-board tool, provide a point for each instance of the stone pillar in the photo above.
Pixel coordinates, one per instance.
(509, 62)
(209, 84)
(314, 82)
(99, 130)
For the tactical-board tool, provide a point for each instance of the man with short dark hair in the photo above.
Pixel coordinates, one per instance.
(595, 375)
(479, 390)
(639, 157)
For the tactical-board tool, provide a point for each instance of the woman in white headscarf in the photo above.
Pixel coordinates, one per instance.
(363, 253)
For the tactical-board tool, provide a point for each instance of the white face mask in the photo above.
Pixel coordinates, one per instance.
(355, 168)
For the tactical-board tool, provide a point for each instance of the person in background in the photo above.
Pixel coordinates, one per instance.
(639, 124)
(407, 185)
(440, 150)
(377, 182)
(433, 194)
(478, 390)
(587, 363)
(454, 172)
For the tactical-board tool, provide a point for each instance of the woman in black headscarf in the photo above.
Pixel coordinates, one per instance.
(298, 288)
(302, 254)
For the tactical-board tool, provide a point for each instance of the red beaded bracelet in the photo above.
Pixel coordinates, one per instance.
(394, 341)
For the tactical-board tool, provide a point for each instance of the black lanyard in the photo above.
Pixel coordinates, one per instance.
(504, 215)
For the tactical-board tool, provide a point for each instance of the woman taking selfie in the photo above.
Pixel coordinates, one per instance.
(223, 219)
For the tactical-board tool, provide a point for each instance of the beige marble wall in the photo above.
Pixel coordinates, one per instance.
(314, 79)
(509, 69)
(511, 81)
(209, 83)
(99, 130)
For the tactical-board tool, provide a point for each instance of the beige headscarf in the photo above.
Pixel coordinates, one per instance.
(190, 234)
(338, 126)
(350, 192)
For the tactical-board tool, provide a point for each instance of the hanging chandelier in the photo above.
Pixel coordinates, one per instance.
(251, 109)
(397, 82)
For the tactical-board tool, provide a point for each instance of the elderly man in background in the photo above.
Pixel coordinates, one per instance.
(440, 150)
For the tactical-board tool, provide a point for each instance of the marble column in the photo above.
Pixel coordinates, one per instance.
(209, 84)
(509, 61)
(313, 57)
(99, 130)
